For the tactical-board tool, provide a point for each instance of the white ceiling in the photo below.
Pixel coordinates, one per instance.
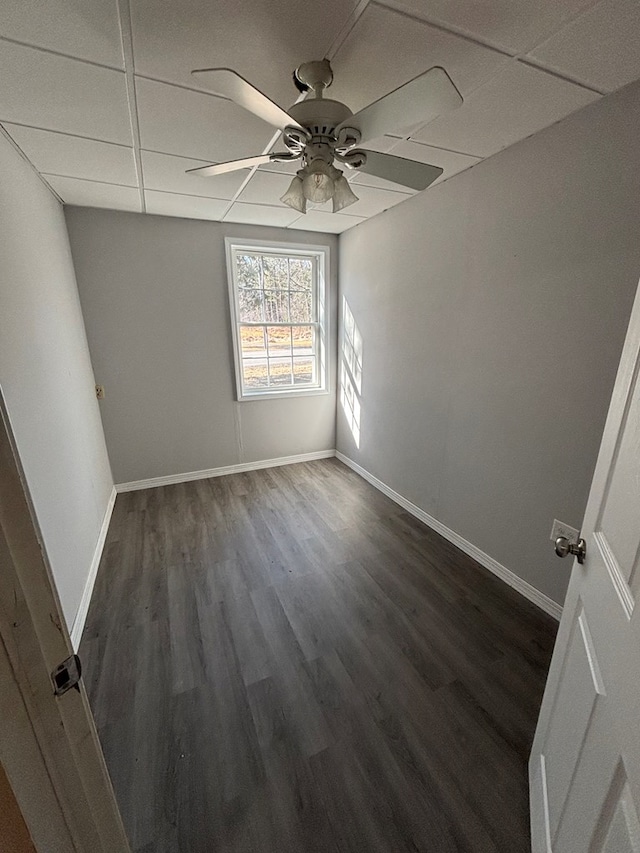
(98, 95)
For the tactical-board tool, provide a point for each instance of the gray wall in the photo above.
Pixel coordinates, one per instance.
(155, 301)
(46, 377)
(493, 310)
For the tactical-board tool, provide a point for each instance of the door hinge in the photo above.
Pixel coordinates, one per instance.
(67, 675)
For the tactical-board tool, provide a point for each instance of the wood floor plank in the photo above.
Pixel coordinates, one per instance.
(289, 671)
(304, 824)
(286, 661)
(426, 822)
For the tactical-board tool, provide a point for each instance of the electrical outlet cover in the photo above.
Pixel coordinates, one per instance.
(561, 529)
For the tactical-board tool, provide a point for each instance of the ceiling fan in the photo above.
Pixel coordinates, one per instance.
(320, 131)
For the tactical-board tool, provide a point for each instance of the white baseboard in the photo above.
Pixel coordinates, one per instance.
(523, 587)
(151, 483)
(83, 609)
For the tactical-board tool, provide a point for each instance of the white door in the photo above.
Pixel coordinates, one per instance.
(585, 762)
(49, 747)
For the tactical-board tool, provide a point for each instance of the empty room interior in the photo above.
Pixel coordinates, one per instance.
(310, 320)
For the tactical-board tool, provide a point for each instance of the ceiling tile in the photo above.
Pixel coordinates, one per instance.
(177, 121)
(386, 49)
(328, 223)
(264, 40)
(48, 91)
(516, 103)
(601, 47)
(450, 161)
(75, 157)
(167, 172)
(191, 207)
(89, 30)
(265, 188)
(94, 194)
(261, 214)
(513, 25)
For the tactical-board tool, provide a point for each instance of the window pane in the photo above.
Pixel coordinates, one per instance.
(247, 270)
(303, 371)
(254, 373)
(276, 306)
(301, 311)
(280, 371)
(279, 340)
(302, 340)
(301, 272)
(275, 272)
(251, 305)
(252, 342)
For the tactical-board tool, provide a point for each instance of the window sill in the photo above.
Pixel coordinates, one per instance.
(279, 395)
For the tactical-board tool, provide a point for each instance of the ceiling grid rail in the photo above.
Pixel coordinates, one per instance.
(124, 19)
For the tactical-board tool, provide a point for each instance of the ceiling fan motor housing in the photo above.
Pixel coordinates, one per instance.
(320, 116)
(317, 150)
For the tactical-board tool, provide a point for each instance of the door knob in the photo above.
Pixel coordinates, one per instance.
(578, 549)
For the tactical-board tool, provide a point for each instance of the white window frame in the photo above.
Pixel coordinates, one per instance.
(321, 258)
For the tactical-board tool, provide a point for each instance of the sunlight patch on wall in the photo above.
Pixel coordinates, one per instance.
(351, 372)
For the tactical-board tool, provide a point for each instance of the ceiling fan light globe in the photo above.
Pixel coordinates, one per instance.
(343, 195)
(294, 196)
(318, 187)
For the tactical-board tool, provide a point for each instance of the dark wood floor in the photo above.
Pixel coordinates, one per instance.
(285, 660)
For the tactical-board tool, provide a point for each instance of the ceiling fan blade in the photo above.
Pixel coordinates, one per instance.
(409, 173)
(416, 102)
(245, 163)
(225, 82)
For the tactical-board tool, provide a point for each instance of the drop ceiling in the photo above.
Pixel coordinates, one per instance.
(97, 94)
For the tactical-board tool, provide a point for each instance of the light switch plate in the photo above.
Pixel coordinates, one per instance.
(561, 529)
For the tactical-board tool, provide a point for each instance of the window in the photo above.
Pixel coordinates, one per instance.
(278, 315)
